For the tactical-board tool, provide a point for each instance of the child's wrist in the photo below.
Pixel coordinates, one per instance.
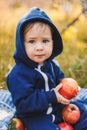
(51, 96)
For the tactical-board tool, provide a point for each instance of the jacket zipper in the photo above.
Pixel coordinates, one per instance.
(46, 86)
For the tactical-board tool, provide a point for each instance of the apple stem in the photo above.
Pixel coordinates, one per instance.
(72, 108)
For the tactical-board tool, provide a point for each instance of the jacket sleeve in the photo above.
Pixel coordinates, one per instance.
(26, 98)
(58, 73)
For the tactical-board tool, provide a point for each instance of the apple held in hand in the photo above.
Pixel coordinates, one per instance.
(69, 89)
(71, 113)
(65, 126)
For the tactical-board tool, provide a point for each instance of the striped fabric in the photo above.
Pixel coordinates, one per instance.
(7, 109)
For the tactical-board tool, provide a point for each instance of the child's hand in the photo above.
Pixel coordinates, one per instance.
(59, 97)
(77, 92)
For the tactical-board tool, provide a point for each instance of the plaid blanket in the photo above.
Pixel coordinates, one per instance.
(7, 109)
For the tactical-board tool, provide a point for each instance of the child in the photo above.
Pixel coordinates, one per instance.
(34, 81)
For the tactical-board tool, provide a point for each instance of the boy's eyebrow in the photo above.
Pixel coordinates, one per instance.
(33, 37)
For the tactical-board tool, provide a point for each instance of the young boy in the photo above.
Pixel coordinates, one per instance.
(35, 79)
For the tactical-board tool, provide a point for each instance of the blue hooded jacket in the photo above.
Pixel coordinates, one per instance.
(31, 85)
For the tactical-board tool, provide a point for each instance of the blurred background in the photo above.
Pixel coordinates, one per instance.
(70, 17)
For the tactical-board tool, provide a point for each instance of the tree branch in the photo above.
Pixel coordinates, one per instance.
(72, 22)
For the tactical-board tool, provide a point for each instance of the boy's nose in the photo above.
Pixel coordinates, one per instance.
(39, 46)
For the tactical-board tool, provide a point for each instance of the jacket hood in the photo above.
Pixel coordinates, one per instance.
(35, 14)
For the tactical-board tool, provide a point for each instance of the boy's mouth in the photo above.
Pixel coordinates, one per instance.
(40, 55)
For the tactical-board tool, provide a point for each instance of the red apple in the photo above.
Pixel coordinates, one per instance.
(65, 126)
(69, 89)
(19, 124)
(71, 113)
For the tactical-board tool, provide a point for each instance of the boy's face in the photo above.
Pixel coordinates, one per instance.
(38, 42)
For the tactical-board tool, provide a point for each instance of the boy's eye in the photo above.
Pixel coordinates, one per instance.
(45, 41)
(31, 41)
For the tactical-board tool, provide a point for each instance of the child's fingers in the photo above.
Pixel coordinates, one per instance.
(59, 86)
(56, 89)
(79, 88)
(62, 100)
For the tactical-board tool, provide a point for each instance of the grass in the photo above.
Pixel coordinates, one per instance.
(12, 125)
